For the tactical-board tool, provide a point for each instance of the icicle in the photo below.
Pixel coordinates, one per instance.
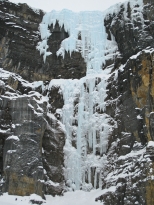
(94, 141)
(95, 179)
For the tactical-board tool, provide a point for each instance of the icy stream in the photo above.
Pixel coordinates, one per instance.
(87, 126)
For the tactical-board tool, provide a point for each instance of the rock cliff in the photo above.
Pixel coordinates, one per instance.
(63, 129)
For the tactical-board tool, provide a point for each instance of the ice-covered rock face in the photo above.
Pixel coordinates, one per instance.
(87, 126)
(84, 132)
(87, 35)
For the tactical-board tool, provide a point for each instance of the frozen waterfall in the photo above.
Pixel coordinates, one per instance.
(87, 126)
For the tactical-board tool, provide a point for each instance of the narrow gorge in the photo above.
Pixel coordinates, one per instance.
(77, 102)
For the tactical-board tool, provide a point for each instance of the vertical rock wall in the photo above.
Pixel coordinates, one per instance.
(32, 136)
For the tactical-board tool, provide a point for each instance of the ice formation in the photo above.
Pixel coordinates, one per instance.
(89, 26)
(87, 126)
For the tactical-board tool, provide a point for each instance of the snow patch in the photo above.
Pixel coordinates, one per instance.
(13, 137)
(150, 144)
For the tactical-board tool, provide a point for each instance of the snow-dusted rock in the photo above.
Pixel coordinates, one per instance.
(89, 123)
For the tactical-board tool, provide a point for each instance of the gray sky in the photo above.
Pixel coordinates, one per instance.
(74, 5)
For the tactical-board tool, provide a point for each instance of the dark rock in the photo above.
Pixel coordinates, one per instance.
(36, 202)
(22, 161)
(53, 157)
(131, 36)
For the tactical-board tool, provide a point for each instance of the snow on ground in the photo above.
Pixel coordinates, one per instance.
(69, 198)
